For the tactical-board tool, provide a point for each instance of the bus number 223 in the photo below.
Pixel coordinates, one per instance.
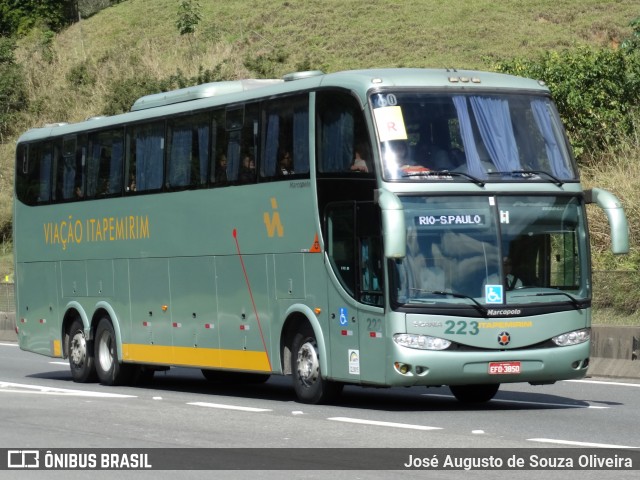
(463, 328)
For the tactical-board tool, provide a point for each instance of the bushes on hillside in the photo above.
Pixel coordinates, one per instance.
(13, 92)
(596, 90)
(123, 93)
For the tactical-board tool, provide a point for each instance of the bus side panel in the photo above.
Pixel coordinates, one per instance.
(73, 275)
(100, 278)
(289, 276)
(150, 340)
(38, 315)
(244, 314)
(193, 311)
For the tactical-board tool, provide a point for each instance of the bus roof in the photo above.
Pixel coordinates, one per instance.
(213, 94)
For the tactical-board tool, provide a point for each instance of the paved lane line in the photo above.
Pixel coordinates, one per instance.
(577, 444)
(40, 389)
(544, 404)
(597, 382)
(229, 407)
(382, 424)
(8, 344)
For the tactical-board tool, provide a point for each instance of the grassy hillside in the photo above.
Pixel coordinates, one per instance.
(70, 75)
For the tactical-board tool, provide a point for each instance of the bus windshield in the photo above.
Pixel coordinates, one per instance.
(492, 250)
(489, 137)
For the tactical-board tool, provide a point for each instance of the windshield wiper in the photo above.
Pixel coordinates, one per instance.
(444, 173)
(530, 173)
(574, 302)
(477, 304)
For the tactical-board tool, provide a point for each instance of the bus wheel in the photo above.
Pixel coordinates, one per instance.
(110, 371)
(308, 383)
(474, 393)
(80, 355)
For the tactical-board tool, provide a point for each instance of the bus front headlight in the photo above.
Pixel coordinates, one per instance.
(572, 338)
(421, 342)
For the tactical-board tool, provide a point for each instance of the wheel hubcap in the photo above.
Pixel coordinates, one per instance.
(78, 349)
(308, 364)
(105, 353)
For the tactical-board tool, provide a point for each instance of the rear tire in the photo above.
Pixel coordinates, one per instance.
(109, 370)
(80, 354)
(474, 393)
(308, 383)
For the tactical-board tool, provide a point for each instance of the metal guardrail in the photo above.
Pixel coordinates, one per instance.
(7, 297)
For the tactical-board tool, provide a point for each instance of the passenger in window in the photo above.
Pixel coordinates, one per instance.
(104, 187)
(434, 157)
(511, 281)
(221, 169)
(77, 193)
(132, 184)
(285, 165)
(359, 164)
(247, 170)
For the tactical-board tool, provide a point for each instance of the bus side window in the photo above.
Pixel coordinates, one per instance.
(286, 138)
(188, 149)
(104, 163)
(146, 157)
(242, 143)
(341, 129)
(218, 167)
(34, 173)
(341, 243)
(69, 176)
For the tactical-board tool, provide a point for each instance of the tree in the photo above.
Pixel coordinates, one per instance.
(18, 16)
(189, 16)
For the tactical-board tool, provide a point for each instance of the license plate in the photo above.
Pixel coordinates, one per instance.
(504, 368)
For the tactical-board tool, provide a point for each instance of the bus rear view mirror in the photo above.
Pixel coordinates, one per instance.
(612, 208)
(394, 231)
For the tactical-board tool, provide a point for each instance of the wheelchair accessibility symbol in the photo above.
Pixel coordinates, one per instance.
(493, 293)
(344, 320)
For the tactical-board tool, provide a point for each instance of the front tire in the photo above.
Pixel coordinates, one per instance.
(109, 370)
(80, 354)
(308, 383)
(474, 393)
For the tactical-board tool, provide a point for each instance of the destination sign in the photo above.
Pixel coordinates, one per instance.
(449, 219)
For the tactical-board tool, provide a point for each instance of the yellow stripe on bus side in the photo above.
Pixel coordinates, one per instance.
(196, 357)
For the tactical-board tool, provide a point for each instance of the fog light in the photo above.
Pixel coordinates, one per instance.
(403, 368)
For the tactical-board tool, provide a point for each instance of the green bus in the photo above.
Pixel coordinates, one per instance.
(391, 227)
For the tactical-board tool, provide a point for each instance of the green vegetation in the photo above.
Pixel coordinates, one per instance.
(587, 51)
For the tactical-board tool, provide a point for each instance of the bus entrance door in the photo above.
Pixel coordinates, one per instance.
(355, 300)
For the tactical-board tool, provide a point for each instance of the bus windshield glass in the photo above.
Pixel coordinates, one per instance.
(492, 250)
(456, 136)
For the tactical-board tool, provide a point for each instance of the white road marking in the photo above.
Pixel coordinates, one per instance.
(383, 424)
(546, 404)
(598, 382)
(42, 390)
(66, 364)
(229, 407)
(577, 444)
(8, 344)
